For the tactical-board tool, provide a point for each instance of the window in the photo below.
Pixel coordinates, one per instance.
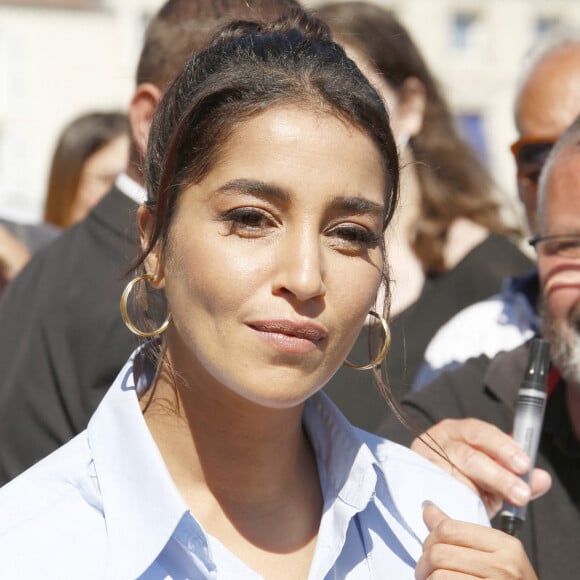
(471, 127)
(464, 30)
(543, 25)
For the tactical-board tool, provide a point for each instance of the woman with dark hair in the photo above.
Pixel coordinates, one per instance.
(271, 177)
(450, 244)
(91, 151)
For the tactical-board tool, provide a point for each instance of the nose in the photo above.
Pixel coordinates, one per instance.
(299, 267)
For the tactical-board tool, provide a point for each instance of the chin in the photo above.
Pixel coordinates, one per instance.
(278, 399)
(288, 382)
(277, 394)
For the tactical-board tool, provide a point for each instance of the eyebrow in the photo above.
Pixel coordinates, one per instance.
(357, 205)
(344, 203)
(255, 188)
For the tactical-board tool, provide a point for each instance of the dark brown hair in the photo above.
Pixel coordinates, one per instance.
(248, 68)
(79, 140)
(452, 180)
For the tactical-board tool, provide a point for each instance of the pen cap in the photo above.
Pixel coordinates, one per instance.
(538, 366)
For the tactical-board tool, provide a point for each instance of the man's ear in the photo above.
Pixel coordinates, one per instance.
(412, 100)
(153, 261)
(141, 111)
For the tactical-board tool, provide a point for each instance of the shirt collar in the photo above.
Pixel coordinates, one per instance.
(141, 505)
(143, 509)
(346, 466)
(347, 479)
(351, 478)
(506, 364)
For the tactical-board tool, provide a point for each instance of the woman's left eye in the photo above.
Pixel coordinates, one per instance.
(355, 236)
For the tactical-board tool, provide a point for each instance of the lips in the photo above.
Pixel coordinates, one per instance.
(290, 336)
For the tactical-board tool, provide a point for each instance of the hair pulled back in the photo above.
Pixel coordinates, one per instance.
(247, 68)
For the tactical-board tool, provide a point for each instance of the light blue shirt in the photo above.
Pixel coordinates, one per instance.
(104, 506)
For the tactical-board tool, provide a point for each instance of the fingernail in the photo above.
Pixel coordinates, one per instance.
(426, 503)
(521, 493)
(520, 462)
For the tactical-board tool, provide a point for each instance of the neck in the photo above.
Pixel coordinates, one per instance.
(248, 473)
(462, 237)
(213, 439)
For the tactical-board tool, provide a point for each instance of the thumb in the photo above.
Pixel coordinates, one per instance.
(432, 515)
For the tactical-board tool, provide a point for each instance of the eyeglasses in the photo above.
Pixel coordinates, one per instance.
(530, 154)
(564, 246)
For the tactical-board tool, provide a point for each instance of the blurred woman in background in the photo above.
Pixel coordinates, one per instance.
(91, 151)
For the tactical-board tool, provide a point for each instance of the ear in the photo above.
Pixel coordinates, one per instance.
(153, 261)
(411, 103)
(141, 110)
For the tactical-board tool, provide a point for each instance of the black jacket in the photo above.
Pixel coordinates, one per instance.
(62, 341)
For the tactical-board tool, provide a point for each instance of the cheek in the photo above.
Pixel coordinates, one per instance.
(561, 290)
(212, 274)
(559, 276)
(356, 297)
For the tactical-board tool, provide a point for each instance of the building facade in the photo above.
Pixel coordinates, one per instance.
(61, 58)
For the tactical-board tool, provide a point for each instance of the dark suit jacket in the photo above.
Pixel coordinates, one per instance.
(33, 236)
(62, 341)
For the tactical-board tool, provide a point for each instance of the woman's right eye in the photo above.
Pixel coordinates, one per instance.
(248, 221)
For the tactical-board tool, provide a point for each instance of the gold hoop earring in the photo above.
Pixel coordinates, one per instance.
(384, 349)
(125, 313)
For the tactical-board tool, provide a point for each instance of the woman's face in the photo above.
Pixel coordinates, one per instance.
(378, 80)
(98, 174)
(274, 259)
(406, 106)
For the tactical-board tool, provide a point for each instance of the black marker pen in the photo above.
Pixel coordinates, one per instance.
(528, 420)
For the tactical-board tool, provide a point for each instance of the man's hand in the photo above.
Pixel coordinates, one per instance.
(486, 459)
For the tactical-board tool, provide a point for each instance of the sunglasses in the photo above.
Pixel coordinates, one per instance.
(530, 154)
